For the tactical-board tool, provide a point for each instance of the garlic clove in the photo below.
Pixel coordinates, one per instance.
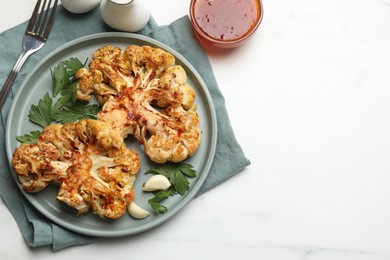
(137, 212)
(157, 182)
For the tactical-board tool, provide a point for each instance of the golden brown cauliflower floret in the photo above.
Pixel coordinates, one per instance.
(90, 162)
(101, 183)
(112, 70)
(146, 95)
(147, 63)
(37, 165)
(169, 134)
(108, 74)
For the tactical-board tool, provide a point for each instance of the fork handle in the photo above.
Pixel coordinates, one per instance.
(11, 77)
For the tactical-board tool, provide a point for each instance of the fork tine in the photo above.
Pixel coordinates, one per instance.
(51, 20)
(43, 17)
(40, 15)
(31, 24)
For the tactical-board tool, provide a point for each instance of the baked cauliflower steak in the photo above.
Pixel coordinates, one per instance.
(146, 95)
(88, 160)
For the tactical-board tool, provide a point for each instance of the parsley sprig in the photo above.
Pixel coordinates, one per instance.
(177, 174)
(29, 138)
(42, 113)
(66, 108)
(62, 75)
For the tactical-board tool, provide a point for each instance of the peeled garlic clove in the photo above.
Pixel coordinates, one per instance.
(157, 182)
(137, 212)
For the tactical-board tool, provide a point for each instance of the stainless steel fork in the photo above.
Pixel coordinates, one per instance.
(34, 38)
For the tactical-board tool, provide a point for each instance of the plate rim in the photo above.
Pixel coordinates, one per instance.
(185, 199)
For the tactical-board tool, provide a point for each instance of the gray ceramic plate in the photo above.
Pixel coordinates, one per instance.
(38, 82)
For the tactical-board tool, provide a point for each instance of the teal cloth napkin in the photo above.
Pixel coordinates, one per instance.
(229, 159)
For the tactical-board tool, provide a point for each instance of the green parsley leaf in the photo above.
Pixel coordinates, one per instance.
(157, 208)
(176, 173)
(188, 170)
(161, 195)
(62, 74)
(41, 114)
(74, 112)
(73, 65)
(29, 138)
(69, 93)
(59, 78)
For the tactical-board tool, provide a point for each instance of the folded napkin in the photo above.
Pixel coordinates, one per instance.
(229, 159)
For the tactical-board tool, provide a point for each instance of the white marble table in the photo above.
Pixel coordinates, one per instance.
(308, 98)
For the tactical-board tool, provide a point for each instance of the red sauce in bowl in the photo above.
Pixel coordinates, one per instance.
(226, 20)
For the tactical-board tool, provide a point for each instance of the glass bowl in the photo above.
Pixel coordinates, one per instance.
(225, 23)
